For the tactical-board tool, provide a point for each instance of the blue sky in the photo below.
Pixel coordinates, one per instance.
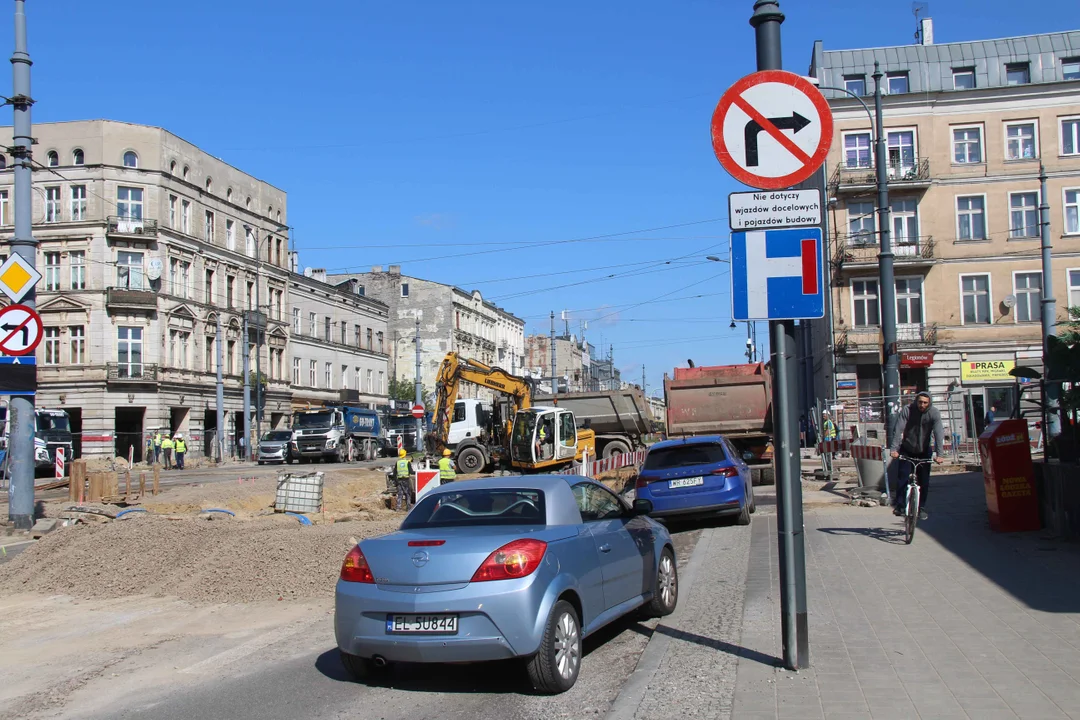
(464, 139)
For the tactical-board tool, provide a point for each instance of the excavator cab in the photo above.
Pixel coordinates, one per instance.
(543, 437)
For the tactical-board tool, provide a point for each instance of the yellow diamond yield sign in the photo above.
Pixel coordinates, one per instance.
(17, 277)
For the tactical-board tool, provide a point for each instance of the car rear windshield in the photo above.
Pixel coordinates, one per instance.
(683, 455)
(511, 506)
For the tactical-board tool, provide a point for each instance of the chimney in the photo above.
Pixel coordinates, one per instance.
(318, 274)
(395, 269)
(376, 268)
(926, 31)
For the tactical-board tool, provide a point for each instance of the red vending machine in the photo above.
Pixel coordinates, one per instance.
(1009, 477)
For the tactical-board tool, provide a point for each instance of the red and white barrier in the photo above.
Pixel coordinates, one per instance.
(594, 468)
(59, 463)
(868, 452)
(426, 480)
(833, 446)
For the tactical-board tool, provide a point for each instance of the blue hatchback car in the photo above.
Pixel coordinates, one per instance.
(696, 477)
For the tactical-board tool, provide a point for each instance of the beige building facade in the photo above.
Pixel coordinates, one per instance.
(967, 128)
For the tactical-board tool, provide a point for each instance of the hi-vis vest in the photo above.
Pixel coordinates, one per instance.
(403, 468)
(167, 444)
(181, 446)
(830, 430)
(446, 469)
(157, 440)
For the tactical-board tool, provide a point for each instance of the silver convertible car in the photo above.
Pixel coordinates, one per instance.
(503, 568)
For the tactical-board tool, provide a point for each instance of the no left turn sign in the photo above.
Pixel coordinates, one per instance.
(772, 129)
(20, 330)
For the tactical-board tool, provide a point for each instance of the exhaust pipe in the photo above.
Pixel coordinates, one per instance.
(379, 660)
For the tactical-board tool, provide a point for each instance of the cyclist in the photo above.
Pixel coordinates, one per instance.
(917, 426)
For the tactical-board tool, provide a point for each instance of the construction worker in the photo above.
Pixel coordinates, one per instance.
(446, 467)
(166, 449)
(828, 434)
(157, 446)
(403, 477)
(181, 447)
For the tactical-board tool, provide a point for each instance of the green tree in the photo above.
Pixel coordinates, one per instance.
(405, 390)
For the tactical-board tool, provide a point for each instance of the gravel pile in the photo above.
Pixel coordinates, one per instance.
(218, 560)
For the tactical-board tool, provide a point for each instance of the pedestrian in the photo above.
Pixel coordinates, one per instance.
(181, 449)
(157, 446)
(802, 431)
(990, 415)
(828, 435)
(403, 471)
(919, 434)
(446, 467)
(166, 450)
(149, 453)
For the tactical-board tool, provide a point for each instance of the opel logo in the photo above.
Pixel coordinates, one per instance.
(420, 558)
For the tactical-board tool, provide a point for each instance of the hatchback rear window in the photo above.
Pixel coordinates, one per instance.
(510, 506)
(683, 455)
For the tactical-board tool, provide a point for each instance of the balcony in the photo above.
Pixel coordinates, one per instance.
(866, 339)
(126, 228)
(131, 374)
(124, 298)
(910, 251)
(909, 174)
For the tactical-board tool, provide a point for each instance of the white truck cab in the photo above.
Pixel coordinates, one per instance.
(471, 418)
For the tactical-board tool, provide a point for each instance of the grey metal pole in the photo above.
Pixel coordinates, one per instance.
(258, 339)
(21, 421)
(554, 379)
(247, 390)
(766, 22)
(220, 393)
(886, 277)
(419, 393)
(1052, 424)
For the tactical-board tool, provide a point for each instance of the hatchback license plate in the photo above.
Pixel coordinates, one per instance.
(445, 624)
(686, 482)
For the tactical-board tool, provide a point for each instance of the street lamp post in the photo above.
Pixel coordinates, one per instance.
(260, 327)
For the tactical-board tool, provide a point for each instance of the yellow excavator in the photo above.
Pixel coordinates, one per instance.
(518, 435)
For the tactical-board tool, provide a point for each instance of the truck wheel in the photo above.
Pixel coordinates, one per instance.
(340, 454)
(615, 447)
(471, 460)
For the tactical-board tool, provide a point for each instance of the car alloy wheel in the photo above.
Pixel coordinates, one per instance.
(567, 646)
(666, 581)
(555, 666)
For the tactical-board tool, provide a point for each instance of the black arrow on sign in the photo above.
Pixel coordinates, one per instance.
(25, 331)
(794, 123)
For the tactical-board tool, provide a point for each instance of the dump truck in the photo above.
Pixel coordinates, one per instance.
(324, 433)
(620, 418)
(730, 400)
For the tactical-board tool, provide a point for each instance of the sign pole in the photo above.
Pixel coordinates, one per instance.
(21, 489)
(766, 22)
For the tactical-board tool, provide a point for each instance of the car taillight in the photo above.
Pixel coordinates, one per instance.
(517, 559)
(355, 568)
(640, 482)
(726, 472)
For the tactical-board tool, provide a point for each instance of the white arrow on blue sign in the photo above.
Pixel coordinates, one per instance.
(777, 275)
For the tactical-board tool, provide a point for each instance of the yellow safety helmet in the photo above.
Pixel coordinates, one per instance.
(447, 453)
(401, 452)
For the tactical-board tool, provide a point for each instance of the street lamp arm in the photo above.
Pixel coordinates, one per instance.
(862, 102)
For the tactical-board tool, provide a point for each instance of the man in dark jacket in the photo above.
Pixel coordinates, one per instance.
(916, 426)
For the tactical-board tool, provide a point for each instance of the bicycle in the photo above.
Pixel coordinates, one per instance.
(911, 505)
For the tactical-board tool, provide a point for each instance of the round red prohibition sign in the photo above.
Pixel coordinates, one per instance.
(20, 330)
(772, 129)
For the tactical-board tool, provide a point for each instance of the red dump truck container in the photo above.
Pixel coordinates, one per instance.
(730, 400)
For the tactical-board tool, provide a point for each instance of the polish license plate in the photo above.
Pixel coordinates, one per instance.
(444, 624)
(686, 482)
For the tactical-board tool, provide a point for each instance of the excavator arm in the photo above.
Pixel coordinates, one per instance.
(455, 370)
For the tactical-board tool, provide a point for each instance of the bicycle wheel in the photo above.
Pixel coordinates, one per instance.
(911, 515)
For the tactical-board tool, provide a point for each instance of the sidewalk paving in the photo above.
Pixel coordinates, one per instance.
(963, 623)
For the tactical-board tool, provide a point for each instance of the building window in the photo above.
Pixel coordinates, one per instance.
(129, 355)
(209, 184)
(77, 157)
(52, 346)
(328, 376)
(861, 223)
(52, 204)
(344, 332)
(358, 332)
(344, 377)
(230, 235)
(52, 271)
(379, 388)
(179, 277)
(296, 371)
(311, 325)
(967, 145)
(971, 217)
(78, 202)
(230, 291)
(1017, 74)
(1027, 286)
(247, 203)
(1020, 141)
(251, 295)
(369, 345)
(296, 321)
(1070, 136)
(77, 263)
(53, 158)
(898, 83)
(864, 295)
(210, 345)
(1023, 215)
(370, 382)
(963, 78)
(185, 172)
(900, 151)
(129, 203)
(208, 227)
(129, 270)
(208, 288)
(909, 301)
(1072, 211)
(855, 84)
(356, 380)
(131, 160)
(404, 290)
(173, 200)
(380, 338)
(77, 334)
(5, 216)
(857, 152)
(905, 225)
(311, 374)
(326, 329)
(975, 299)
(249, 241)
(1070, 68)
(185, 217)
(1073, 277)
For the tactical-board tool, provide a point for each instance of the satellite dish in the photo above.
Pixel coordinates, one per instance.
(154, 267)
(1009, 301)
